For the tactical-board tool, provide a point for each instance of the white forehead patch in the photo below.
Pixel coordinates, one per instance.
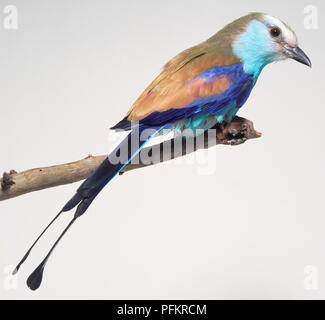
(288, 34)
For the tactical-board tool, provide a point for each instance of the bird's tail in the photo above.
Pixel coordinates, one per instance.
(89, 189)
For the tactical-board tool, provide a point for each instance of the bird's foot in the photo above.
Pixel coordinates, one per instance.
(237, 132)
(235, 138)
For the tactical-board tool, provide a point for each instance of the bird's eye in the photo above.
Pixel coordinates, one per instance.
(275, 32)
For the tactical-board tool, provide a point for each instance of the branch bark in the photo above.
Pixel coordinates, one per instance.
(14, 184)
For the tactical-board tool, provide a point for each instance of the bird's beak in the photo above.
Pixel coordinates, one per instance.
(297, 54)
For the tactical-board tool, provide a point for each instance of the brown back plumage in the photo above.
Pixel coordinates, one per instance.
(169, 89)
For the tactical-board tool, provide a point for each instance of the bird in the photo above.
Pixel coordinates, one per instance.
(200, 87)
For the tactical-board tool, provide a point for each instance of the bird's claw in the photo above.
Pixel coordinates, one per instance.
(235, 138)
(236, 142)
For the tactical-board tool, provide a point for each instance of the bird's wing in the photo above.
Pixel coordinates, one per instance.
(178, 85)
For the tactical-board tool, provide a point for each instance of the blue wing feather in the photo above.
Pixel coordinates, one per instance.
(224, 104)
(241, 85)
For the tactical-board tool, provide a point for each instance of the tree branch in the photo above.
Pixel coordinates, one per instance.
(14, 184)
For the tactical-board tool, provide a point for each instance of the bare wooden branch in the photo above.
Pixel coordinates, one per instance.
(14, 184)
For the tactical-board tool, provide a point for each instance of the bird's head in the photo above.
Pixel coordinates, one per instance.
(259, 39)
